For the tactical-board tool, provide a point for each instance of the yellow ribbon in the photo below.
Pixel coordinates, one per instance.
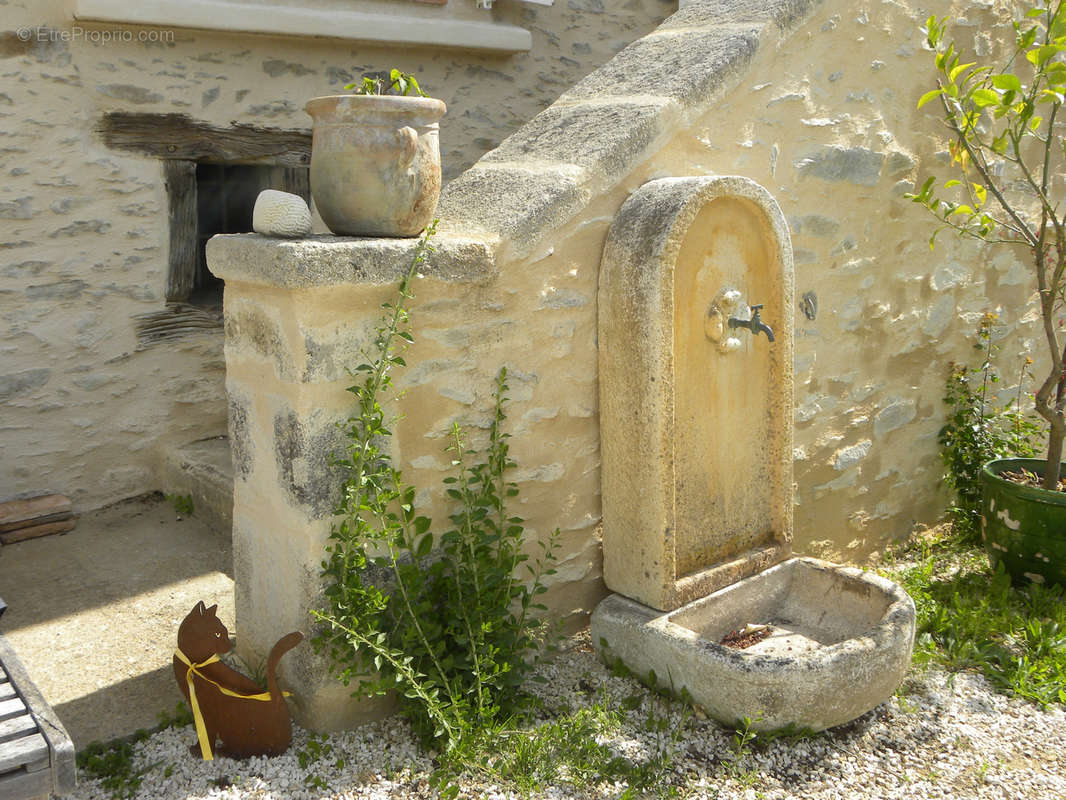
(197, 715)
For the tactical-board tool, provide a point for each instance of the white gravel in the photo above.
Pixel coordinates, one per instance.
(942, 738)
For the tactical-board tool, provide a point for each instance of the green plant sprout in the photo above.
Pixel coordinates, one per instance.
(394, 82)
(183, 503)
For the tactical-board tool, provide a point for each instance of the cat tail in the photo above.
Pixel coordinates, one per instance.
(284, 645)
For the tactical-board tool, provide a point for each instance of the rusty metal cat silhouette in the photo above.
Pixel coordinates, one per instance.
(229, 707)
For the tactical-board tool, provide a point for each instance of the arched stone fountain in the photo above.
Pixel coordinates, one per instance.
(695, 344)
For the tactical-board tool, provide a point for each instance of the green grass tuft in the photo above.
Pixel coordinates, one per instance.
(970, 617)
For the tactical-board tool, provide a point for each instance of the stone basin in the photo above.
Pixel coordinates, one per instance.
(840, 642)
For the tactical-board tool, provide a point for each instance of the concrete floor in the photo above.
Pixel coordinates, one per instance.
(93, 614)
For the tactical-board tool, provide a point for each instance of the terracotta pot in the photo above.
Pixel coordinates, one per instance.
(375, 163)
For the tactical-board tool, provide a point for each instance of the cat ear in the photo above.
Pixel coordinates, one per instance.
(199, 608)
(212, 611)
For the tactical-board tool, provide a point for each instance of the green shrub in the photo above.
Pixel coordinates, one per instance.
(444, 620)
(977, 431)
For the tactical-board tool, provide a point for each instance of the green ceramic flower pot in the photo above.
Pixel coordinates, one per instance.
(1022, 526)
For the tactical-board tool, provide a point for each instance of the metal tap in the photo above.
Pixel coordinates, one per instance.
(755, 324)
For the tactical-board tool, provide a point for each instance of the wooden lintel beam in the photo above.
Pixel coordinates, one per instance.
(178, 136)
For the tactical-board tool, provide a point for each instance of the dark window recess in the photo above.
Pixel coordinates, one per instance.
(223, 196)
(213, 175)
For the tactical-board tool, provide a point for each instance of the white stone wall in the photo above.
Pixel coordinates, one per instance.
(84, 231)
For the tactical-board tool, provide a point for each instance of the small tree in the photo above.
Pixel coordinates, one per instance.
(1007, 143)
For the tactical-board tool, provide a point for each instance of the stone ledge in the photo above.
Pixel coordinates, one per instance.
(633, 124)
(689, 65)
(514, 201)
(324, 261)
(601, 129)
(783, 13)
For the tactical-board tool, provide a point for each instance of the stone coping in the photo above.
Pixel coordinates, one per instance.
(600, 130)
(322, 261)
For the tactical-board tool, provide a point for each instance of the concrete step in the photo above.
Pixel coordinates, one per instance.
(203, 470)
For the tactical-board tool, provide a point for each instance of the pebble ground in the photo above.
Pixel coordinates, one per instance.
(941, 736)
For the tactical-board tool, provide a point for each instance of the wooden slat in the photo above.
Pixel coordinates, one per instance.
(180, 179)
(11, 708)
(176, 321)
(44, 763)
(25, 750)
(7, 691)
(19, 785)
(22, 534)
(297, 180)
(17, 727)
(20, 513)
(179, 136)
(14, 526)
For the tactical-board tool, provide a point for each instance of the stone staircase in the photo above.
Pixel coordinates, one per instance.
(203, 470)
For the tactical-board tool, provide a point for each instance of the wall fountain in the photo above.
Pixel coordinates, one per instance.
(695, 369)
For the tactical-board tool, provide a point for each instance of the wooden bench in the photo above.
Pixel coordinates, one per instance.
(36, 754)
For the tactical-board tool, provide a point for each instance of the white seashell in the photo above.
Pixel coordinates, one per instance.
(281, 214)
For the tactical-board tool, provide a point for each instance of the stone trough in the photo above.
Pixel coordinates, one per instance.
(695, 343)
(839, 643)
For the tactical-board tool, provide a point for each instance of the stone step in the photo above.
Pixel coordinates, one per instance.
(203, 470)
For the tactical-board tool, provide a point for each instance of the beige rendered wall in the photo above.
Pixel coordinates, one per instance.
(828, 123)
(825, 118)
(83, 233)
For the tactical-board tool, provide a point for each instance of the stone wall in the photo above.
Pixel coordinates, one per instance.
(816, 101)
(828, 123)
(85, 240)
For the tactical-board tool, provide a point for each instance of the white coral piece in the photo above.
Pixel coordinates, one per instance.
(281, 214)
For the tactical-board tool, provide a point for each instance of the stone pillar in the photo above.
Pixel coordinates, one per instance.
(298, 314)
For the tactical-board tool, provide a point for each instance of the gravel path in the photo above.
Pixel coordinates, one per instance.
(941, 738)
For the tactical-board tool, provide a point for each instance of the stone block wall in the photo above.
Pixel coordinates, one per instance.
(298, 316)
(84, 240)
(828, 123)
(816, 101)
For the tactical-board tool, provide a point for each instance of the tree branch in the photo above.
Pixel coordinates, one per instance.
(983, 169)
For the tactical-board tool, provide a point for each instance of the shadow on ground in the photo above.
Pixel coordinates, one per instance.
(93, 614)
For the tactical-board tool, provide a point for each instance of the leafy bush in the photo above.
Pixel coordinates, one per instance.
(445, 620)
(977, 431)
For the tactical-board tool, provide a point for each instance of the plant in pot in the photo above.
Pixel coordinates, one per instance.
(375, 157)
(1007, 146)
